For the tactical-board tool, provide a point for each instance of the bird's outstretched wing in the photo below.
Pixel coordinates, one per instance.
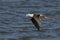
(35, 23)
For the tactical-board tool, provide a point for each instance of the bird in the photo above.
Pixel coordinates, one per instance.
(36, 19)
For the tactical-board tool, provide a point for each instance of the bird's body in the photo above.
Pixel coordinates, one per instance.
(36, 21)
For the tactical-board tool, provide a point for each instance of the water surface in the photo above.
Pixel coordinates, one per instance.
(14, 25)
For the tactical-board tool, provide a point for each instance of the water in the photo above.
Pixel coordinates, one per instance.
(14, 25)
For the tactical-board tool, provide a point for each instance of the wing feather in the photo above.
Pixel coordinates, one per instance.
(35, 23)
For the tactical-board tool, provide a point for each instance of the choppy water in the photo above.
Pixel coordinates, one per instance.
(15, 26)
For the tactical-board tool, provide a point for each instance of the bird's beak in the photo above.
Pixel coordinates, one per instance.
(50, 18)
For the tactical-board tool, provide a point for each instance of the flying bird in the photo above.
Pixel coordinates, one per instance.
(36, 19)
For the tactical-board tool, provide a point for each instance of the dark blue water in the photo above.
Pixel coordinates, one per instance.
(14, 25)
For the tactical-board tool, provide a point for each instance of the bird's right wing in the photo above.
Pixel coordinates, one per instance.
(35, 23)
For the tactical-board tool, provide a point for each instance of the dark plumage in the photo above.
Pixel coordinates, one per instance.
(35, 18)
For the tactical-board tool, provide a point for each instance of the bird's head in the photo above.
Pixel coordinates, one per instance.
(30, 15)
